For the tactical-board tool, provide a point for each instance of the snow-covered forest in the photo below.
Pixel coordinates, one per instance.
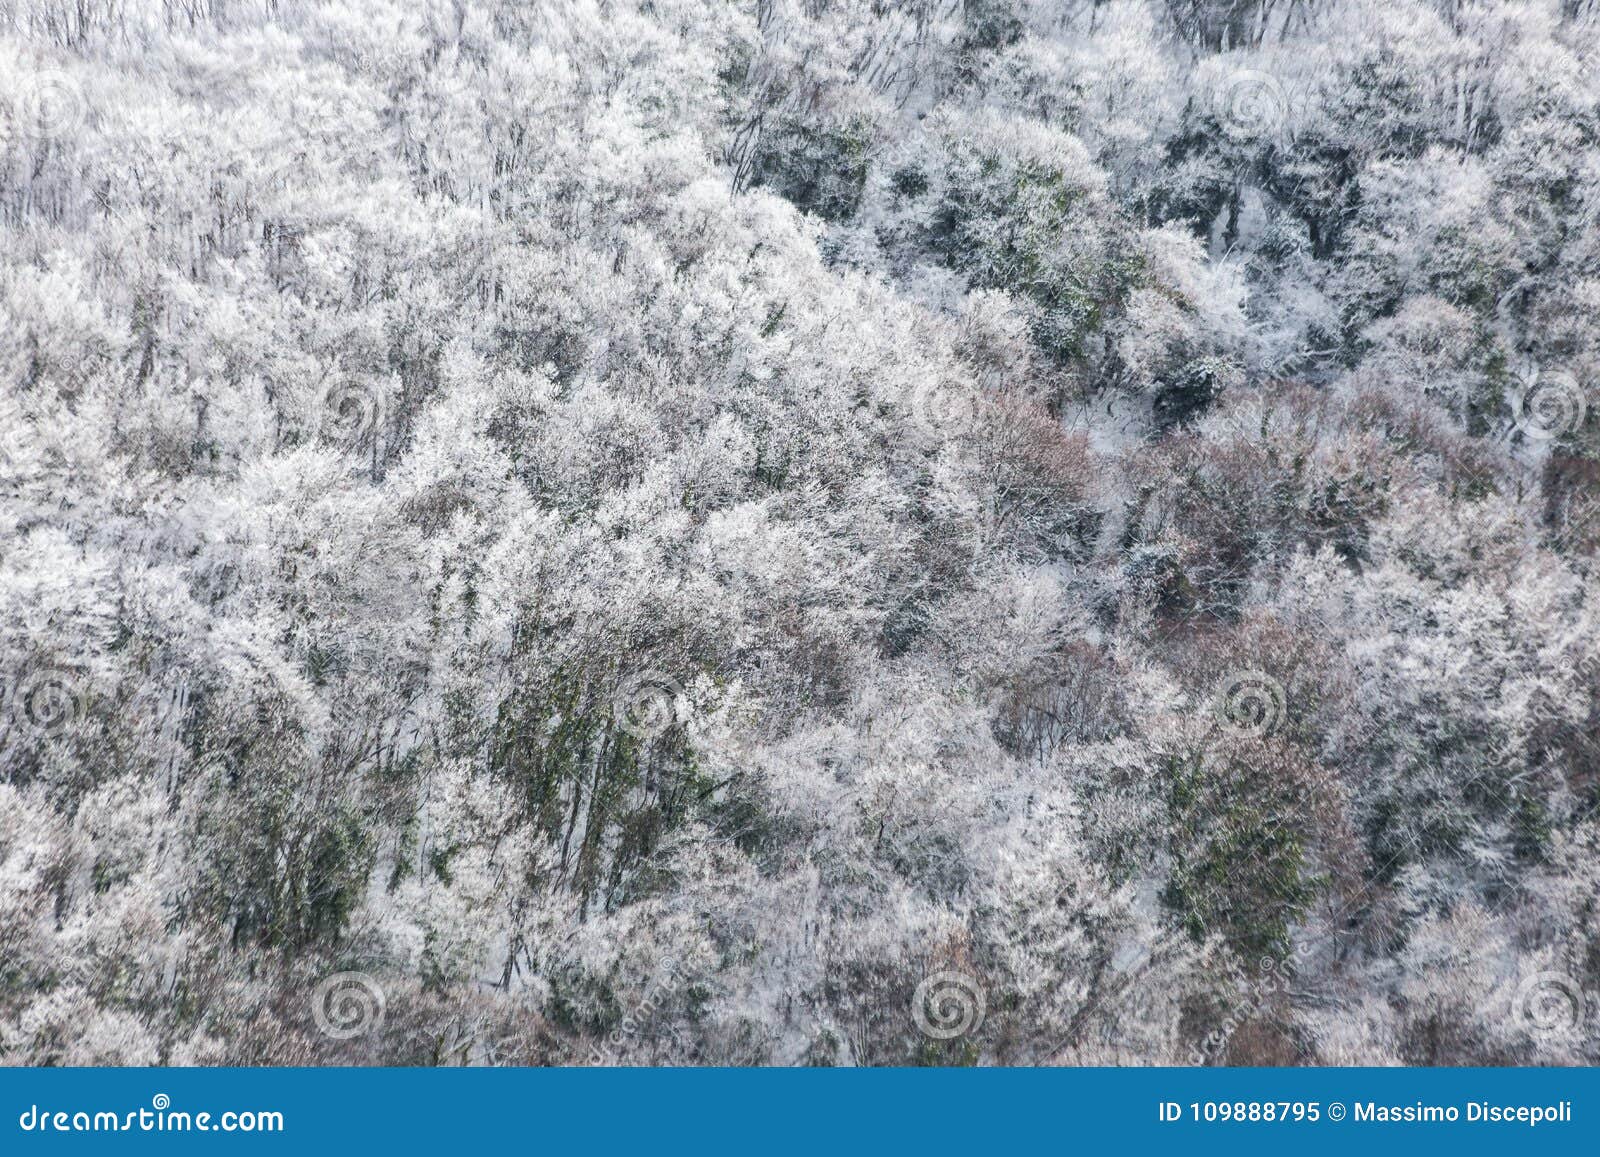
(806, 532)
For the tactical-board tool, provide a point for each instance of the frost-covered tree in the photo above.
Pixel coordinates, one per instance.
(776, 532)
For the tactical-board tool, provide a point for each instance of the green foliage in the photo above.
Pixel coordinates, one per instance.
(1239, 849)
(819, 167)
(280, 872)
